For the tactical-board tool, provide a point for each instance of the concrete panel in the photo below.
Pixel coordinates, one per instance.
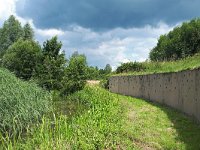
(156, 85)
(187, 92)
(173, 97)
(197, 94)
(120, 85)
(126, 85)
(138, 87)
(146, 88)
(179, 90)
(133, 86)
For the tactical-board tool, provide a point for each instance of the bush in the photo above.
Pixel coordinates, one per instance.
(104, 83)
(131, 67)
(50, 72)
(21, 103)
(22, 58)
(76, 75)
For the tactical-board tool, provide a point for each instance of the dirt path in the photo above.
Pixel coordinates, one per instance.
(93, 82)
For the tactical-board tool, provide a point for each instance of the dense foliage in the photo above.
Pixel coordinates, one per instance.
(131, 67)
(183, 41)
(75, 74)
(11, 32)
(21, 103)
(22, 58)
(94, 73)
(50, 71)
(28, 32)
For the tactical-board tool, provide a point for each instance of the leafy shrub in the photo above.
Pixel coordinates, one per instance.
(130, 67)
(21, 103)
(75, 75)
(50, 72)
(104, 83)
(22, 58)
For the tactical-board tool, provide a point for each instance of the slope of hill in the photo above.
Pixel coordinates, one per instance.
(21, 103)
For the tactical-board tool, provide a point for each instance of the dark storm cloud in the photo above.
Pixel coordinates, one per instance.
(107, 14)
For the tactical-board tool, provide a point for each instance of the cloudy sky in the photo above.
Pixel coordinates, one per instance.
(106, 31)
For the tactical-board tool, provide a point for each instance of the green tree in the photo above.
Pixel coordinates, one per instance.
(52, 47)
(28, 32)
(76, 74)
(22, 58)
(50, 72)
(108, 69)
(179, 43)
(92, 73)
(10, 33)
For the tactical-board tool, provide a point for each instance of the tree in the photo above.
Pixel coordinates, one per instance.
(28, 32)
(76, 74)
(179, 43)
(10, 33)
(52, 47)
(108, 69)
(51, 71)
(22, 58)
(92, 73)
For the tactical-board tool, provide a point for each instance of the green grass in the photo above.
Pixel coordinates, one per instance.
(188, 63)
(102, 120)
(97, 127)
(21, 104)
(152, 126)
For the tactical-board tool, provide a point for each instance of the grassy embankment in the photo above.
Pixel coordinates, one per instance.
(21, 104)
(93, 119)
(188, 63)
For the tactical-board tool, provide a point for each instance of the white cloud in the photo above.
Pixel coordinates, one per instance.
(7, 8)
(49, 32)
(114, 46)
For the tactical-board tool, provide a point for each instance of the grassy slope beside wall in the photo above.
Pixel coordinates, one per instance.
(113, 122)
(21, 103)
(170, 66)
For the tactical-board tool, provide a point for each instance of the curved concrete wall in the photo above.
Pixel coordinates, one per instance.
(180, 90)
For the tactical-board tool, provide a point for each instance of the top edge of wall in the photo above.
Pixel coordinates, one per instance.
(158, 73)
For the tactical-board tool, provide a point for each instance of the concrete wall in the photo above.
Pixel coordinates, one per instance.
(179, 90)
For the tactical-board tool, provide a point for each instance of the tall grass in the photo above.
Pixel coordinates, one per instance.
(96, 128)
(21, 104)
(109, 121)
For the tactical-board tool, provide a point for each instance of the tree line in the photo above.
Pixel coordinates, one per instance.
(181, 42)
(46, 65)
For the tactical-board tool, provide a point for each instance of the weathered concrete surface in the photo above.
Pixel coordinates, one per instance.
(179, 90)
